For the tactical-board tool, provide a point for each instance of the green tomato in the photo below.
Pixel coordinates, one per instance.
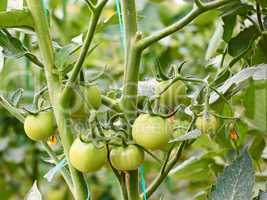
(207, 125)
(174, 95)
(92, 95)
(86, 157)
(151, 132)
(41, 126)
(126, 158)
(72, 102)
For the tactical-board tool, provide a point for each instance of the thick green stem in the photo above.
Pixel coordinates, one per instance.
(54, 88)
(130, 24)
(132, 185)
(131, 84)
(132, 63)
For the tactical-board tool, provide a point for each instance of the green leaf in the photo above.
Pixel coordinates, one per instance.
(16, 96)
(113, 20)
(257, 72)
(236, 181)
(229, 22)
(254, 100)
(189, 136)
(215, 41)
(257, 147)
(12, 47)
(16, 19)
(242, 42)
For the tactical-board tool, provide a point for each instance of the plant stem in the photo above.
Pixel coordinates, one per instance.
(3, 5)
(159, 179)
(131, 84)
(54, 88)
(111, 103)
(149, 40)
(131, 72)
(130, 23)
(132, 185)
(258, 9)
(88, 40)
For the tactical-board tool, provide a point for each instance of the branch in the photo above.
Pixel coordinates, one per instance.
(161, 176)
(112, 104)
(96, 11)
(258, 9)
(154, 37)
(199, 3)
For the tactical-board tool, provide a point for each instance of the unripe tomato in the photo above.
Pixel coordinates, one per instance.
(86, 157)
(72, 102)
(126, 158)
(151, 132)
(174, 95)
(40, 126)
(92, 95)
(207, 125)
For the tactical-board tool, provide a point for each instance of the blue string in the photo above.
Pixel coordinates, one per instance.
(121, 23)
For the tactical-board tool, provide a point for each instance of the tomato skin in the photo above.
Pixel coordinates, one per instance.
(126, 158)
(207, 125)
(174, 95)
(86, 157)
(92, 95)
(71, 102)
(151, 132)
(41, 126)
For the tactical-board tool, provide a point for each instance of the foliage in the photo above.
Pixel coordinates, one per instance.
(174, 61)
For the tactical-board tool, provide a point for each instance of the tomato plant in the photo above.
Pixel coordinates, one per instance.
(161, 93)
